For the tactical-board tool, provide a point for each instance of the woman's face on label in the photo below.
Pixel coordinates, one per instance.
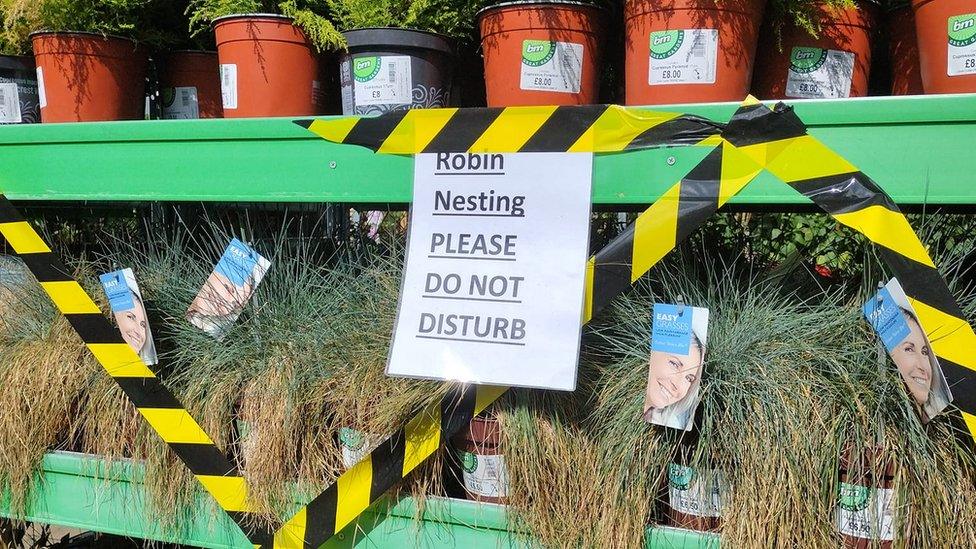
(671, 376)
(132, 324)
(912, 358)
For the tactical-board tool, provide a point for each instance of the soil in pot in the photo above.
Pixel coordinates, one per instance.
(87, 77)
(946, 44)
(836, 64)
(542, 52)
(906, 71)
(865, 504)
(481, 460)
(190, 85)
(690, 51)
(390, 69)
(268, 67)
(18, 91)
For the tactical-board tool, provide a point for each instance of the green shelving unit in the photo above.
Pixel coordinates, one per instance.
(919, 149)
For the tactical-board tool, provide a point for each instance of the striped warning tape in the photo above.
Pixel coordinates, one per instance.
(218, 474)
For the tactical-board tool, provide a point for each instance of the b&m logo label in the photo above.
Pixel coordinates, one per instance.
(365, 69)
(853, 497)
(680, 476)
(664, 44)
(536, 53)
(805, 60)
(962, 30)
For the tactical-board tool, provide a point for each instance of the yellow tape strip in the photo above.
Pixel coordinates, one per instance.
(512, 129)
(119, 360)
(175, 425)
(352, 493)
(291, 535)
(655, 232)
(951, 337)
(230, 492)
(334, 130)
(70, 298)
(423, 435)
(23, 238)
(889, 229)
(416, 130)
(617, 127)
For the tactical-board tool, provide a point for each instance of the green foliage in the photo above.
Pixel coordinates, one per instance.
(802, 13)
(309, 15)
(454, 18)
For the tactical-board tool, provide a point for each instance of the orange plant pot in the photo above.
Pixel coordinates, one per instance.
(542, 52)
(836, 64)
(190, 83)
(946, 44)
(689, 51)
(482, 461)
(906, 71)
(268, 67)
(87, 77)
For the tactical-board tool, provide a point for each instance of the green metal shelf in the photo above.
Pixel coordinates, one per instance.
(919, 149)
(83, 491)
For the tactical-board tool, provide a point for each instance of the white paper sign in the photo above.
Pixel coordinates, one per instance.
(493, 289)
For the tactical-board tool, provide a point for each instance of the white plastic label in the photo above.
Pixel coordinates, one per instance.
(345, 87)
(9, 103)
(41, 96)
(816, 73)
(551, 66)
(485, 476)
(866, 513)
(684, 56)
(382, 80)
(695, 492)
(962, 45)
(228, 85)
(355, 445)
(182, 104)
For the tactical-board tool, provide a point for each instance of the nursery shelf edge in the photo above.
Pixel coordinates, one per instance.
(86, 492)
(917, 148)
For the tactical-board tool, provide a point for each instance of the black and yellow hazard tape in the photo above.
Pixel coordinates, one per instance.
(218, 475)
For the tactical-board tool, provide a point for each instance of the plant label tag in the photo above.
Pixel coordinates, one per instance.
(891, 314)
(228, 85)
(180, 103)
(41, 95)
(9, 103)
(686, 56)
(866, 513)
(678, 338)
(496, 259)
(551, 66)
(962, 45)
(228, 289)
(819, 73)
(125, 301)
(484, 475)
(695, 492)
(382, 80)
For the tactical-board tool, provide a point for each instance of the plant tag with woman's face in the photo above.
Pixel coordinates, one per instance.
(229, 287)
(894, 320)
(678, 337)
(125, 300)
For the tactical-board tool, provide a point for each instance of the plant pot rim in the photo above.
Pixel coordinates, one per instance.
(224, 18)
(204, 52)
(374, 37)
(511, 3)
(81, 33)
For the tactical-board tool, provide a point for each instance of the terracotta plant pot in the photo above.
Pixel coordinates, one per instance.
(190, 85)
(690, 51)
(268, 67)
(542, 52)
(18, 91)
(395, 69)
(946, 44)
(866, 501)
(482, 461)
(836, 64)
(906, 71)
(87, 77)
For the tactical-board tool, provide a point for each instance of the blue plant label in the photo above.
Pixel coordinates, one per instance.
(671, 329)
(886, 318)
(117, 289)
(238, 262)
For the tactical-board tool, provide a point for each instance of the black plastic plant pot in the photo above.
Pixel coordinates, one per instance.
(19, 102)
(389, 69)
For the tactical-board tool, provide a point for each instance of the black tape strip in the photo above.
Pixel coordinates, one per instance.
(387, 461)
(462, 130)
(754, 124)
(256, 530)
(612, 268)
(683, 130)
(320, 517)
(698, 196)
(962, 383)
(563, 128)
(147, 392)
(94, 328)
(372, 132)
(457, 410)
(47, 267)
(922, 282)
(8, 214)
(844, 193)
(204, 459)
